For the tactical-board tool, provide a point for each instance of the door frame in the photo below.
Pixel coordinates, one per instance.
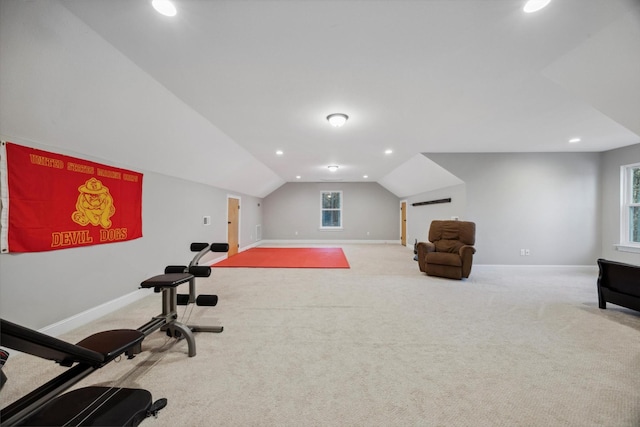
(239, 199)
(403, 221)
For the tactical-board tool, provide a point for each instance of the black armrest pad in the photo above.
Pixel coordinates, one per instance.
(619, 276)
(38, 344)
(112, 343)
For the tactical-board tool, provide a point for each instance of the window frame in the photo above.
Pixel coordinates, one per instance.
(340, 210)
(626, 203)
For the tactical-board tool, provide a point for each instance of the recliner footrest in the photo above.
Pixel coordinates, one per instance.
(444, 258)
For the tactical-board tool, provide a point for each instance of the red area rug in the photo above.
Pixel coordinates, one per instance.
(287, 258)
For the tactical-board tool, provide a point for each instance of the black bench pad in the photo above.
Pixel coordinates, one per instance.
(112, 343)
(95, 350)
(170, 280)
(94, 406)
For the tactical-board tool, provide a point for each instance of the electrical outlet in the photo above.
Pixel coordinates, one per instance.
(527, 252)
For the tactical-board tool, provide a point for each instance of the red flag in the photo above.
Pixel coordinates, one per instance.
(51, 201)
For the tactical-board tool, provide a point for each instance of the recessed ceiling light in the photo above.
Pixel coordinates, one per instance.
(333, 168)
(535, 5)
(164, 7)
(365, 176)
(279, 152)
(389, 151)
(337, 119)
(298, 177)
(574, 140)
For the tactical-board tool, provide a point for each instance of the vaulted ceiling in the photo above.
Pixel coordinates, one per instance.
(414, 77)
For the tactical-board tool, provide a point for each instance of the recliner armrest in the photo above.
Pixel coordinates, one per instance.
(423, 249)
(466, 255)
(426, 247)
(466, 249)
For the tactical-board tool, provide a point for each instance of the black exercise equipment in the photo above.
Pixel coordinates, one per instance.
(4, 355)
(90, 354)
(197, 271)
(167, 283)
(86, 407)
(167, 320)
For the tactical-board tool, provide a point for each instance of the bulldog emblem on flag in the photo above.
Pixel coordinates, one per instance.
(94, 205)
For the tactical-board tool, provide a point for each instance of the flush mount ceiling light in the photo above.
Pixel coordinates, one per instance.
(164, 7)
(389, 151)
(535, 5)
(279, 153)
(574, 140)
(337, 119)
(333, 168)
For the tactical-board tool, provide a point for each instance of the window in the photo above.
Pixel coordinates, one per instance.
(630, 217)
(331, 209)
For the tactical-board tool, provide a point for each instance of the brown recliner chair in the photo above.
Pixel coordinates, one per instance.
(449, 252)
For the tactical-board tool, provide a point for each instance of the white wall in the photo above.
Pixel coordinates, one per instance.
(367, 208)
(610, 206)
(545, 202)
(419, 217)
(64, 89)
(64, 86)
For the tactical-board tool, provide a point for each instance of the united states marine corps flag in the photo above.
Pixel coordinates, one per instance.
(51, 201)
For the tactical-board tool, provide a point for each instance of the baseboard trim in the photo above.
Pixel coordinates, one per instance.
(591, 267)
(87, 316)
(326, 242)
(213, 257)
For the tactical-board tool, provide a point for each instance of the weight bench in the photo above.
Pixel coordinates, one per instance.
(167, 320)
(198, 271)
(44, 406)
(167, 283)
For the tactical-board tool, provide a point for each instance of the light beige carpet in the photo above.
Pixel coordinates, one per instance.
(381, 344)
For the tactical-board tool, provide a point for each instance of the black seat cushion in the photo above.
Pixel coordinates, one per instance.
(112, 343)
